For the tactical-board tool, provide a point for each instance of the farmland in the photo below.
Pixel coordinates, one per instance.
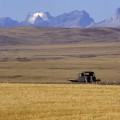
(59, 102)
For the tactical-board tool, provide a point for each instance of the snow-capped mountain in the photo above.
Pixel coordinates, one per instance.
(112, 22)
(38, 18)
(72, 19)
(34, 16)
(8, 22)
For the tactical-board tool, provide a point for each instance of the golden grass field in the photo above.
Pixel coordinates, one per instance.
(59, 102)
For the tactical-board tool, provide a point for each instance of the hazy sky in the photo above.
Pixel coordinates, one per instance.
(18, 9)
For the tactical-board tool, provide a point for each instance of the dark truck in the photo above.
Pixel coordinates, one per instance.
(86, 77)
(89, 77)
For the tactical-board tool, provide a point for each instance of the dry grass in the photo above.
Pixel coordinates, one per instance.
(54, 55)
(35, 60)
(58, 63)
(59, 102)
(46, 36)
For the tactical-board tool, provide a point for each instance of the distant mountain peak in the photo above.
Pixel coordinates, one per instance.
(33, 16)
(113, 22)
(74, 19)
(75, 12)
(117, 11)
(80, 13)
(8, 22)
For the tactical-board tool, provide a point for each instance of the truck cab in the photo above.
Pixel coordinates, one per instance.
(87, 77)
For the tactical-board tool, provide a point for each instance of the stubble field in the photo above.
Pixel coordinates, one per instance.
(59, 102)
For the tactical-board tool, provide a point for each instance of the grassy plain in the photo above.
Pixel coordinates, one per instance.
(59, 102)
(58, 63)
(54, 55)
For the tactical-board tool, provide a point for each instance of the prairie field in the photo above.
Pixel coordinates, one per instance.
(55, 55)
(58, 63)
(59, 102)
(45, 59)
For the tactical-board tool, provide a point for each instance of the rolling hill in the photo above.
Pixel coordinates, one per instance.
(44, 35)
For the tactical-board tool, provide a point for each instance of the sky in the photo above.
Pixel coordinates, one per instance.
(18, 9)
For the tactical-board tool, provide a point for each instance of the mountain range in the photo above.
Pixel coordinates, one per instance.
(74, 19)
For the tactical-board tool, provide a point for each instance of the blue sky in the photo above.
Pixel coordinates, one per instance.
(18, 9)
